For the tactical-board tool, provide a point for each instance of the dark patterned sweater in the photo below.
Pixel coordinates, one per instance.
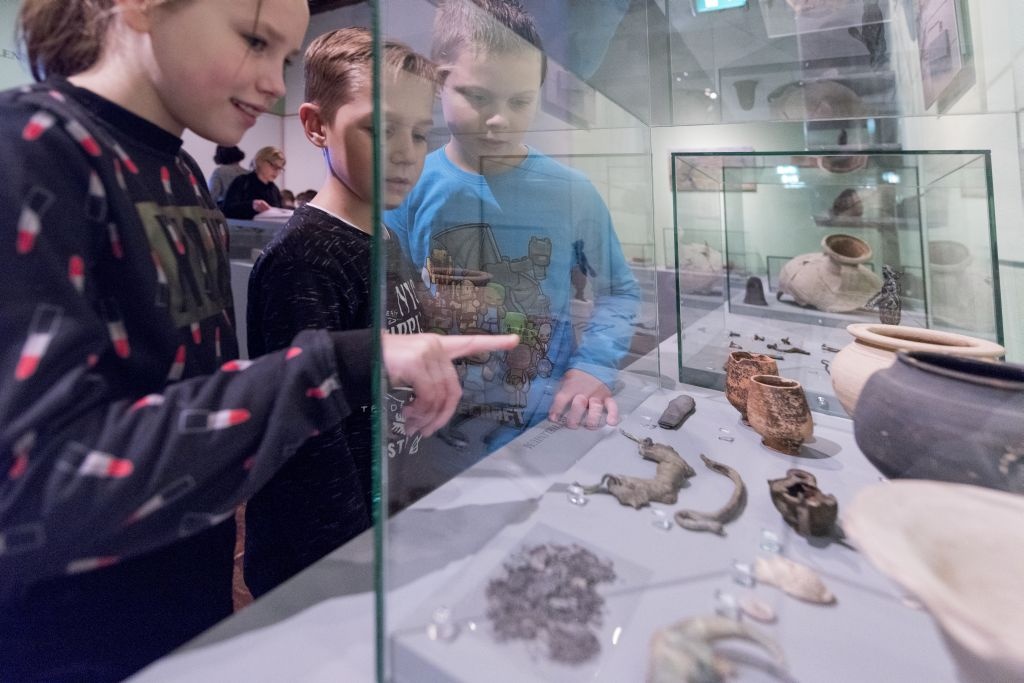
(316, 273)
(128, 432)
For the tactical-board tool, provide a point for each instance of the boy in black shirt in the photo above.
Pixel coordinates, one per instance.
(316, 273)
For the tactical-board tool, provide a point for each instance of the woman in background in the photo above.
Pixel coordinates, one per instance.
(256, 192)
(229, 167)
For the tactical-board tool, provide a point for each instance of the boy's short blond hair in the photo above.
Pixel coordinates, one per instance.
(340, 61)
(487, 26)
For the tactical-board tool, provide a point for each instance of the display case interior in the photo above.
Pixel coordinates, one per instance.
(537, 549)
(778, 252)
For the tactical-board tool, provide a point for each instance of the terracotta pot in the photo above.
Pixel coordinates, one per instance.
(836, 280)
(778, 411)
(935, 416)
(740, 367)
(874, 347)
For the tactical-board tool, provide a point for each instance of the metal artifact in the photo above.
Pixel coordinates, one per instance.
(715, 521)
(803, 505)
(682, 652)
(549, 593)
(791, 349)
(758, 337)
(887, 300)
(672, 471)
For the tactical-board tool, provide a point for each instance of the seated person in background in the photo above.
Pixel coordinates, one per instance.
(304, 197)
(316, 273)
(229, 167)
(287, 199)
(256, 192)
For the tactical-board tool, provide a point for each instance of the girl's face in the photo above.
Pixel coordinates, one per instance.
(212, 67)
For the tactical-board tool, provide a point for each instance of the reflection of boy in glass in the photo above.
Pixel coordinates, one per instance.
(489, 203)
(316, 273)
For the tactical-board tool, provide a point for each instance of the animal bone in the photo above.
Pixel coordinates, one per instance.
(757, 609)
(714, 521)
(793, 578)
(671, 473)
(682, 652)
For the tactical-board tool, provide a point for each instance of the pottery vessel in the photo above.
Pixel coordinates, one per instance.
(835, 280)
(778, 411)
(934, 416)
(701, 268)
(740, 367)
(958, 550)
(803, 505)
(874, 347)
(959, 294)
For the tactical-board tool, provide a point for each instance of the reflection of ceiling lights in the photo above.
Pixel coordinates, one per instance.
(891, 178)
(786, 170)
(710, 94)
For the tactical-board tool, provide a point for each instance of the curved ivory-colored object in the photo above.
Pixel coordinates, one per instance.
(960, 550)
(794, 578)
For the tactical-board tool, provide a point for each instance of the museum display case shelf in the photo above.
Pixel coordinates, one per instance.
(778, 252)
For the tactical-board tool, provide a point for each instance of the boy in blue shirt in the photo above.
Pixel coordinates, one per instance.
(503, 234)
(316, 273)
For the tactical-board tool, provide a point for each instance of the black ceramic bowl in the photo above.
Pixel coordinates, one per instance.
(937, 416)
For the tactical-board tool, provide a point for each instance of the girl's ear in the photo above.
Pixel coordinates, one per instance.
(313, 123)
(134, 13)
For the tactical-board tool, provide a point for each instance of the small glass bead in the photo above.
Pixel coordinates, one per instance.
(724, 430)
(442, 626)
(647, 422)
(575, 494)
(742, 573)
(823, 402)
(661, 520)
(770, 541)
(726, 605)
(727, 439)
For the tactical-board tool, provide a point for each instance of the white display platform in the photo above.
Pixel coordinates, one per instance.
(444, 549)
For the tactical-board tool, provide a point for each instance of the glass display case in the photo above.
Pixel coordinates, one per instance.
(778, 252)
(776, 168)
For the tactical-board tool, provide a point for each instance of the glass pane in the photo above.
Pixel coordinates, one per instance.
(532, 216)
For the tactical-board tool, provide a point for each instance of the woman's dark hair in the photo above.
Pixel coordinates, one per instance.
(228, 155)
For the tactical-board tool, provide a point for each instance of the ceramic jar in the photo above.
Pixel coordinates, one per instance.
(836, 280)
(874, 347)
(701, 268)
(959, 293)
(739, 368)
(936, 416)
(778, 411)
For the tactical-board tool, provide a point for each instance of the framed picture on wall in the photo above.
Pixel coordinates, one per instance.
(944, 45)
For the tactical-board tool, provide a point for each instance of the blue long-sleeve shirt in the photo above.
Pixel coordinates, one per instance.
(536, 233)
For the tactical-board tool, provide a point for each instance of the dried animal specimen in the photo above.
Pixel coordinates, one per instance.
(830, 349)
(714, 521)
(682, 652)
(785, 340)
(758, 337)
(671, 473)
(803, 505)
(793, 578)
(549, 593)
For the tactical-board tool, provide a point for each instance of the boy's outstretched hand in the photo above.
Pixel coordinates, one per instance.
(424, 363)
(585, 396)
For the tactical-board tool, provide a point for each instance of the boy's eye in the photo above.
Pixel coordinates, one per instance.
(256, 43)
